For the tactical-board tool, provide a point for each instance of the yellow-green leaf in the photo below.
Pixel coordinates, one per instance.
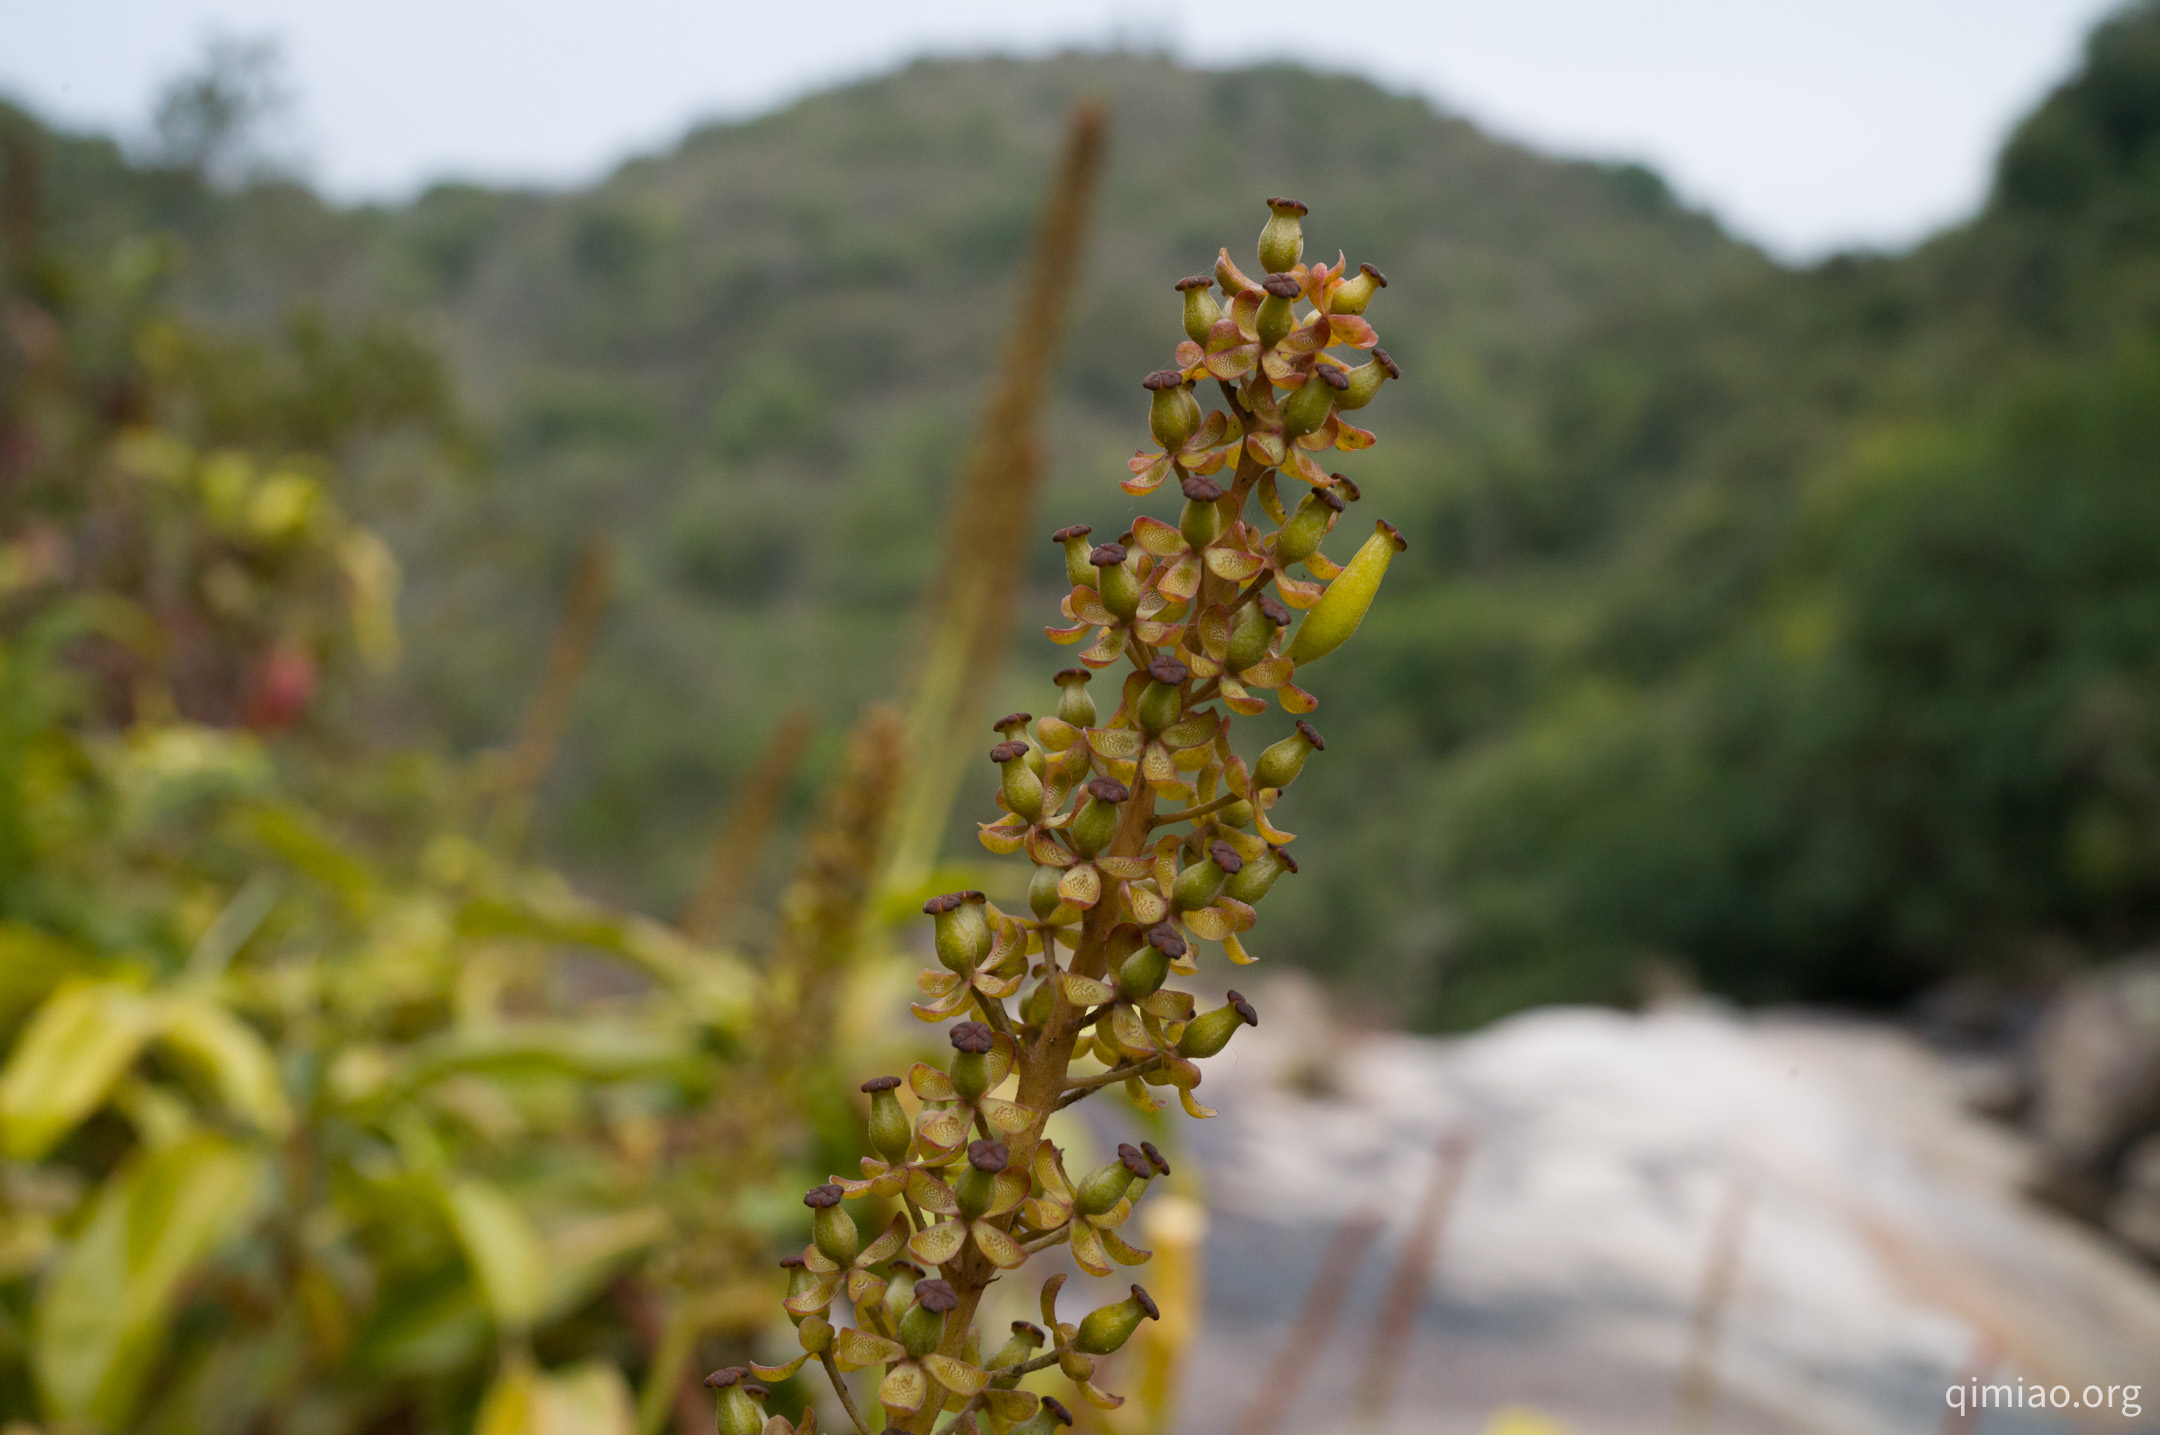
(209, 1039)
(506, 1253)
(67, 1061)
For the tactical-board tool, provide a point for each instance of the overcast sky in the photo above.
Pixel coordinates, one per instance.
(1809, 125)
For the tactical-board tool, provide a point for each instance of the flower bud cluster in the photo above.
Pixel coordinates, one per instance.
(1149, 837)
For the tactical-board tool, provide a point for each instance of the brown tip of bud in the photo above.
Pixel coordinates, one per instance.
(1373, 274)
(755, 1391)
(1155, 1158)
(1008, 751)
(1077, 530)
(1201, 489)
(880, 1083)
(1164, 938)
(1394, 535)
(970, 1036)
(1312, 735)
(1012, 720)
(1068, 677)
(1394, 370)
(1223, 855)
(1343, 488)
(1195, 281)
(1166, 669)
(1282, 286)
(1283, 856)
(1162, 379)
(1108, 789)
(789, 1263)
(1057, 1410)
(1333, 377)
(1130, 1158)
(724, 1377)
(988, 1156)
(817, 1198)
(1147, 1303)
(938, 906)
(936, 1296)
(1244, 1009)
(910, 1267)
(1290, 206)
(1107, 555)
(1029, 1328)
(1272, 609)
(1330, 497)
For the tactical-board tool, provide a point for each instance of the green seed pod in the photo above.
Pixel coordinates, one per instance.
(1252, 631)
(1114, 576)
(923, 1327)
(1074, 541)
(1280, 764)
(971, 1042)
(889, 1130)
(977, 1185)
(799, 1280)
(1209, 1032)
(815, 1334)
(1043, 896)
(1202, 882)
(1342, 607)
(1201, 520)
(1366, 378)
(1201, 310)
(1307, 409)
(962, 931)
(1143, 973)
(1356, 293)
(1049, 1417)
(1238, 814)
(1173, 412)
(1163, 700)
(1036, 1006)
(739, 1414)
(1096, 824)
(1026, 1339)
(1106, 1185)
(1023, 789)
(832, 1230)
(1276, 317)
(1075, 706)
(1013, 727)
(1105, 1330)
(1250, 885)
(1282, 238)
(1300, 537)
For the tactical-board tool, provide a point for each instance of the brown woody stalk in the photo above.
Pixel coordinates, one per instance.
(736, 851)
(1396, 1324)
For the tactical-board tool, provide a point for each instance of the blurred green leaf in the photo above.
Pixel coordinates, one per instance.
(507, 1255)
(74, 1050)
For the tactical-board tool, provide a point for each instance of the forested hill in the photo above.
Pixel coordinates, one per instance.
(1745, 622)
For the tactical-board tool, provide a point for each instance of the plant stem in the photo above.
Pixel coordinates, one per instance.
(1192, 812)
(847, 1400)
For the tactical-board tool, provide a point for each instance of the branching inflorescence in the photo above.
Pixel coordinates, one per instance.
(1148, 834)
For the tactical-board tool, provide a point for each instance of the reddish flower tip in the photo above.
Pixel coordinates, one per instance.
(1147, 1303)
(936, 1296)
(1244, 1009)
(1155, 1158)
(1164, 938)
(1282, 286)
(1344, 488)
(1108, 789)
(755, 1391)
(968, 1036)
(1195, 281)
(1394, 370)
(817, 1198)
(1130, 1158)
(1107, 555)
(1162, 379)
(1333, 377)
(881, 1083)
(1166, 669)
(722, 1378)
(1200, 489)
(1077, 530)
(1028, 1327)
(938, 906)
(1373, 274)
(1012, 720)
(1057, 1410)
(988, 1156)
(1225, 856)
(1272, 609)
(1330, 497)
(1008, 752)
(1282, 855)
(1394, 535)
(1290, 205)
(1312, 735)
(1068, 677)
(789, 1263)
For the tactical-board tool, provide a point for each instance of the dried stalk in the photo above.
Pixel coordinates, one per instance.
(1315, 1325)
(734, 863)
(1396, 1324)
